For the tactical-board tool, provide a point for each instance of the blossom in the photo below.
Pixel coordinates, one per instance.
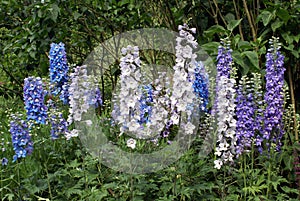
(21, 140)
(34, 96)
(58, 67)
(71, 134)
(64, 95)
(83, 94)
(129, 96)
(59, 126)
(224, 67)
(274, 96)
(200, 85)
(131, 143)
(224, 59)
(4, 161)
(224, 107)
(145, 104)
(226, 138)
(183, 97)
(245, 113)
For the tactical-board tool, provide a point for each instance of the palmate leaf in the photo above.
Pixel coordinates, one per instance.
(279, 180)
(255, 189)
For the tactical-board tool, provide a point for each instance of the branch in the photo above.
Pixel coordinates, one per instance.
(238, 18)
(250, 20)
(218, 10)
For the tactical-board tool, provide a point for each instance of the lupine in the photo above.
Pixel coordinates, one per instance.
(21, 140)
(274, 96)
(58, 68)
(34, 96)
(200, 85)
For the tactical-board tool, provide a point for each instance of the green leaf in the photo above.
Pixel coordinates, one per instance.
(210, 47)
(275, 25)
(290, 47)
(297, 38)
(237, 58)
(229, 17)
(76, 15)
(253, 57)
(287, 37)
(283, 14)
(245, 45)
(54, 12)
(233, 23)
(266, 17)
(214, 29)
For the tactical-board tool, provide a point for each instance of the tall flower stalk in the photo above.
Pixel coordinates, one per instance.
(224, 107)
(274, 96)
(245, 112)
(34, 96)
(201, 85)
(21, 140)
(58, 70)
(183, 98)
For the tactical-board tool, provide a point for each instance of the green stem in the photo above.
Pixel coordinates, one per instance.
(244, 175)
(48, 182)
(19, 184)
(269, 174)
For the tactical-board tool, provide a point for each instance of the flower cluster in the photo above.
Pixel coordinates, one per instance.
(258, 105)
(34, 96)
(183, 97)
(145, 104)
(84, 94)
(224, 59)
(245, 113)
(58, 68)
(94, 97)
(59, 126)
(64, 94)
(226, 138)
(129, 97)
(224, 108)
(21, 140)
(200, 85)
(274, 96)
(224, 67)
